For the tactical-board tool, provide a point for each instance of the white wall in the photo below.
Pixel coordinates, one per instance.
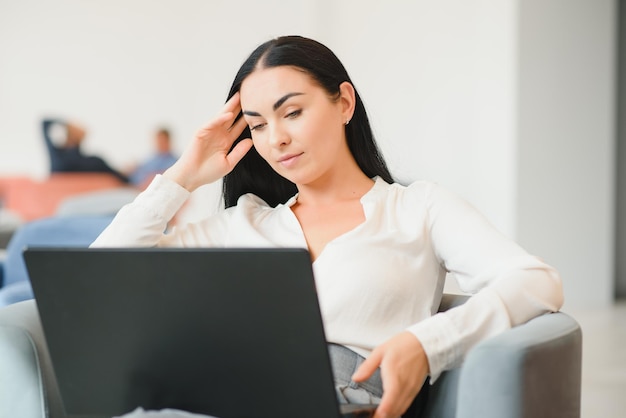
(566, 143)
(124, 67)
(441, 81)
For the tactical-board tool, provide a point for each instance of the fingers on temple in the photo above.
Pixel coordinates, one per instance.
(238, 126)
(238, 152)
(226, 118)
(223, 119)
(233, 104)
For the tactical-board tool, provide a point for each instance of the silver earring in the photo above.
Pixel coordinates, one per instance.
(347, 122)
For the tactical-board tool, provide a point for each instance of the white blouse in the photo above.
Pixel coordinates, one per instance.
(384, 276)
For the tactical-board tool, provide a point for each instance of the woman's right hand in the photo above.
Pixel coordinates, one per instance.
(207, 158)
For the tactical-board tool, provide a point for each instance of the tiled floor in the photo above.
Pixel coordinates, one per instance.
(604, 360)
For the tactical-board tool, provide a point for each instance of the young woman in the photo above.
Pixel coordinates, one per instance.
(301, 168)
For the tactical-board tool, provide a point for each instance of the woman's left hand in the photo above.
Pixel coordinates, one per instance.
(403, 366)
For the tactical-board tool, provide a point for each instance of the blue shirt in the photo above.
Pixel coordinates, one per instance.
(153, 166)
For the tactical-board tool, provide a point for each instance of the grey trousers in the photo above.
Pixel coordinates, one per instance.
(344, 363)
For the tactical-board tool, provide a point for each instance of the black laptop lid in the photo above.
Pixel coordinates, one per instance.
(224, 332)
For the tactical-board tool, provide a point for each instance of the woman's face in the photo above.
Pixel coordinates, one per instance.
(296, 127)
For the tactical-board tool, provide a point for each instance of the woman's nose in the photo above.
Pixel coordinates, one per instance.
(279, 137)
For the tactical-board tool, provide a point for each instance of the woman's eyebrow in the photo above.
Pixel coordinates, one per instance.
(283, 99)
(276, 105)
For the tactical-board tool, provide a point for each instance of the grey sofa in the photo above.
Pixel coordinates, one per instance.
(533, 370)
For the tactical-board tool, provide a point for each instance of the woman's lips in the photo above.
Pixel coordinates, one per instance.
(289, 160)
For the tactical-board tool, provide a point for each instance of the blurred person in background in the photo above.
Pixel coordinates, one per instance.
(66, 155)
(160, 161)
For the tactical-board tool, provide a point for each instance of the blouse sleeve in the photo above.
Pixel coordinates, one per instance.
(509, 286)
(142, 223)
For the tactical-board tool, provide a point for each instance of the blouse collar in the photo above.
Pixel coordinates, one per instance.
(379, 184)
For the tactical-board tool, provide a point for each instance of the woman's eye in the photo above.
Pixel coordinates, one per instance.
(257, 127)
(294, 114)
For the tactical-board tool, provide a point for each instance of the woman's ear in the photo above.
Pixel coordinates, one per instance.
(347, 99)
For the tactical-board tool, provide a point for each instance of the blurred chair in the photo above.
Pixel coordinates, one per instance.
(70, 231)
(100, 202)
(32, 199)
(9, 222)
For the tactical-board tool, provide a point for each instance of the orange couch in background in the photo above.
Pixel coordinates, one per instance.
(33, 199)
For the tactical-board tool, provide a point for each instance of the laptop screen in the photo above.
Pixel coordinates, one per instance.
(224, 332)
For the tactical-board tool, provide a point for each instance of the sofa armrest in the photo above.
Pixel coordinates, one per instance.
(451, 300)
(533, 370)
(28, 387)
(21, 387)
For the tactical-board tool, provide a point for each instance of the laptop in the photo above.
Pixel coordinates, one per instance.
(222, 332)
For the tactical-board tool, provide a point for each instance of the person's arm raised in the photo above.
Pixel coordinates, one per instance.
(209, 157)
